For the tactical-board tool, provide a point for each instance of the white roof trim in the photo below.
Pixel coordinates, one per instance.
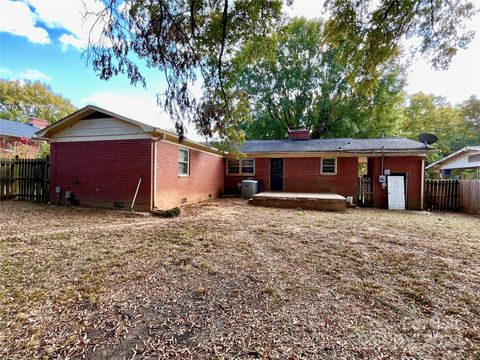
(452, 155)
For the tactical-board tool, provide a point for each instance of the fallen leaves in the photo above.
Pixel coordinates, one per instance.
(229, 281)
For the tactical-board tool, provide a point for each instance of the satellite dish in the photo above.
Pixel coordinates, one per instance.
(427, 139)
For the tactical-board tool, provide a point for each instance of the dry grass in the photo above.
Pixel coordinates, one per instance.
(226, 280)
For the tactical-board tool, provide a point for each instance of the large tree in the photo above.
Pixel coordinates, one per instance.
(379, 27)
(455, 127)
(293, 78)
(188, 39)
(470, 110)
(22, 99)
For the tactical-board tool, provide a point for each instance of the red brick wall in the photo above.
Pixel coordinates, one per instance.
(409, 165)
(102, 172)
(303, 175)
(206, 177)
(262, 172)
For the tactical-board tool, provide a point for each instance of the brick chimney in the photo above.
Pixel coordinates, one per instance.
(37, 122)
(301, 134)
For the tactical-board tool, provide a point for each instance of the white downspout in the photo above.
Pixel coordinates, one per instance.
(422, 183)
(155, 141)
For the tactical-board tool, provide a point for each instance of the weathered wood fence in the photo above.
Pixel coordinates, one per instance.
(25, 179)
(365, 192)
(442, 195)
(469, 201)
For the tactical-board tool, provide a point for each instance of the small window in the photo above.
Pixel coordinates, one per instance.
(183, 162)
(233, 166)
(329, 166)
(248, 167)
(241, 167)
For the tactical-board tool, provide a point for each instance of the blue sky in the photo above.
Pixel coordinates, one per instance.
(44, 39)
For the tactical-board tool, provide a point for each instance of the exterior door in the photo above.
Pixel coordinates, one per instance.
(396, 192)
(276, 174)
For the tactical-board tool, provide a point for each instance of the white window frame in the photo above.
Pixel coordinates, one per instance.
(183, 162)
(328, 173)
(240, 166)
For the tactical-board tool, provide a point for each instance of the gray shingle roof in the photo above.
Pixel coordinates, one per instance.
(333, 145)
(18, 129)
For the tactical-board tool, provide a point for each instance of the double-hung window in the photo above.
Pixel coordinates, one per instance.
(243, 167)
(328, 166)
(183, 162)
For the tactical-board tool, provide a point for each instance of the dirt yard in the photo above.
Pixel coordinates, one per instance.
(229, 281)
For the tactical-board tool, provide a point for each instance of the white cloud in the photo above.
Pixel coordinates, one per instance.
(31, 74)
(141, 106)
(16, 18)
(4, 71)
(77, 17)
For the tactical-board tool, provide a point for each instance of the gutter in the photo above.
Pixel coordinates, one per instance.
(318, 153)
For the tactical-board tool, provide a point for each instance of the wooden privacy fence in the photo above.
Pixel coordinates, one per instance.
(441, 195)
(469, 196)
(25, 179)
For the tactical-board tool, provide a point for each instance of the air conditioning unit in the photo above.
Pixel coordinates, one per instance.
(249, 188)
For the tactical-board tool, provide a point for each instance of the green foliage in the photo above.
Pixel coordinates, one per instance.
(22, 99)
(377, 27)
(470, 110)
(185, 40)
(44, 150)
(455, 127)
(293, 78)
(188, 39)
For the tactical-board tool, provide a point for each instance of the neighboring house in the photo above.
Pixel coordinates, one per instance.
(100, 157)
(14, 134)
(467, 158)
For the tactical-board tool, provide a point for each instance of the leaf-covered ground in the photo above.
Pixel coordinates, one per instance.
(227, 280)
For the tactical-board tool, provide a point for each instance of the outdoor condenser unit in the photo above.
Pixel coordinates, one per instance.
(249, 188)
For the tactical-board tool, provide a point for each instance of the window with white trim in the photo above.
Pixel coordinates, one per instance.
(183, 161)
(328, 166)
(241, 167)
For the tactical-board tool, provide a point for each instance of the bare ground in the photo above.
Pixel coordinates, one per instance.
(226, 280)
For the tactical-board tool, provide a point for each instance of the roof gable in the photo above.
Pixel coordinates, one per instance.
(85, 113)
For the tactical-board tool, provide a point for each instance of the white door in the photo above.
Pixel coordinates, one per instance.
(396, 192)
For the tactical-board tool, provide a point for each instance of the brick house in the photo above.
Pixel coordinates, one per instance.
(14, 134)
(102, 158)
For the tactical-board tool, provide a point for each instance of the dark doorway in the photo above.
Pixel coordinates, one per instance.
(276, 174)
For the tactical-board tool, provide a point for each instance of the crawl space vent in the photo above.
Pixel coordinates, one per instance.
(119, 204)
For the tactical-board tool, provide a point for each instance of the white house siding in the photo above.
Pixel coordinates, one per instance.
(100, 129)
(461, 161)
